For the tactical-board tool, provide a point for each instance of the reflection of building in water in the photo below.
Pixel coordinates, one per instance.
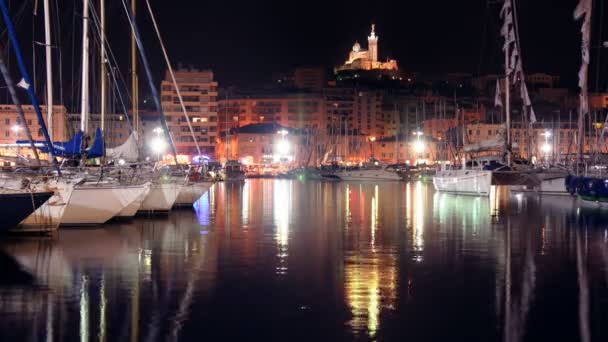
(370, 285)
(282, 208)
(370, 270)
(415, 206)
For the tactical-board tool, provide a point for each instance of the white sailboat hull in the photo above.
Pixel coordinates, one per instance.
(191, 192)
(367, 175)
(131, 209)
(161, 197)
(48, 217)
(465, 182)
(97, 204)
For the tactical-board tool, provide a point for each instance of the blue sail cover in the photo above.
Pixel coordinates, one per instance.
(70, 148)
(96, 150)
(73, 147)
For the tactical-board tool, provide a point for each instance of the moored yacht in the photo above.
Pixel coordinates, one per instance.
(475, 180)
(372, 171)
(48, 217)
(97, 202)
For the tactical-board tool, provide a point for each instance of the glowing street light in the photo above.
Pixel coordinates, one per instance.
(16, 128)
(158, 145)
(419, 146)
(283, 147)
(546, 148)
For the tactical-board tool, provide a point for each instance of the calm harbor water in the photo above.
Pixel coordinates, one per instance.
(288, 260)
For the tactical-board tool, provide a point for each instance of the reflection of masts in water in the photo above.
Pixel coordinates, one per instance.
(583, 289)
(516, 312)
(507, 326)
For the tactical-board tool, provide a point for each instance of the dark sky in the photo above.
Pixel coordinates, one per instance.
(244, 42)
(249, 39)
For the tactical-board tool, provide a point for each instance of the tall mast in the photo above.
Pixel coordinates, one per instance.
(27, 82)
(134, 81)
(508, 105)
(84, 115)
(103, 63)
(179, 93)
(583, 9)
(49, 68)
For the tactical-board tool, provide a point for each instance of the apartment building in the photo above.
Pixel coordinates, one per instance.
(199, 93)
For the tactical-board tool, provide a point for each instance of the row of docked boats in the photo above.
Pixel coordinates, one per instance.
(42, 203)
(370, 171)
(591, 188)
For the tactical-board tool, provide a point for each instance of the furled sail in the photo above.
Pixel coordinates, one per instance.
(69, 148)
(128, 151)
(73, 147)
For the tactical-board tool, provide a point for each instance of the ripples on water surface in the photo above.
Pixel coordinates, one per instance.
(286, 260)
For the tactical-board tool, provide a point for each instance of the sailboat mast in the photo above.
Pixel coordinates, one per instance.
(508, 105)
(170, 68)
(584, 9)
(49, 68)
(103, 63)
(84, 115)
(134, 80)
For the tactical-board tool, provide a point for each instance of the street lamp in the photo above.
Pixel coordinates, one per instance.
(546, 147)
(17, 129)
(283, 146)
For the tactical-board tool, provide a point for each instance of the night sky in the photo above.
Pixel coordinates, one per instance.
(244, 42)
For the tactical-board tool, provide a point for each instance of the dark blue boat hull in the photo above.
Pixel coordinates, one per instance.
(15, 207)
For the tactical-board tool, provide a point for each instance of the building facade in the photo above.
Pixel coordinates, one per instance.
(199, 93)
(297, 110)
(12, 129)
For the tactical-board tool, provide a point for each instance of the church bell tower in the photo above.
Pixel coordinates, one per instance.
(372, 42)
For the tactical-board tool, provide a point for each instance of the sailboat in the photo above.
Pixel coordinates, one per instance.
(371, 171)
(478, 179)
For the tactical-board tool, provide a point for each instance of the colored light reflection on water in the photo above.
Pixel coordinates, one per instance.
(292, 260)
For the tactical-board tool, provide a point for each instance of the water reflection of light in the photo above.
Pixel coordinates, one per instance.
(245, 203)
(282, 202)
(202, 208)
(84, 309)
(370, 286)
(495, 197)
(408, 205)
(102, 309)
(418, 226)
(348, 213)
(147, 263)
(374, 216)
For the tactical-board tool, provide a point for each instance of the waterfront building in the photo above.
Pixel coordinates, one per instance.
(406, 149)
(295, 110)
(355, 110)
(261, 144)
(117, 128)
(12, 129)
(199, 92)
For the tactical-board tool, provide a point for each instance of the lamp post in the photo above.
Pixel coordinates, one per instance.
(418, 145)
(16, 128)
(546, 147)
(158, 145)
(282, 145)
(371, 146)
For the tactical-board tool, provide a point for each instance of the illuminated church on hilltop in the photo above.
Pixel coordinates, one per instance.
(367, 60)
